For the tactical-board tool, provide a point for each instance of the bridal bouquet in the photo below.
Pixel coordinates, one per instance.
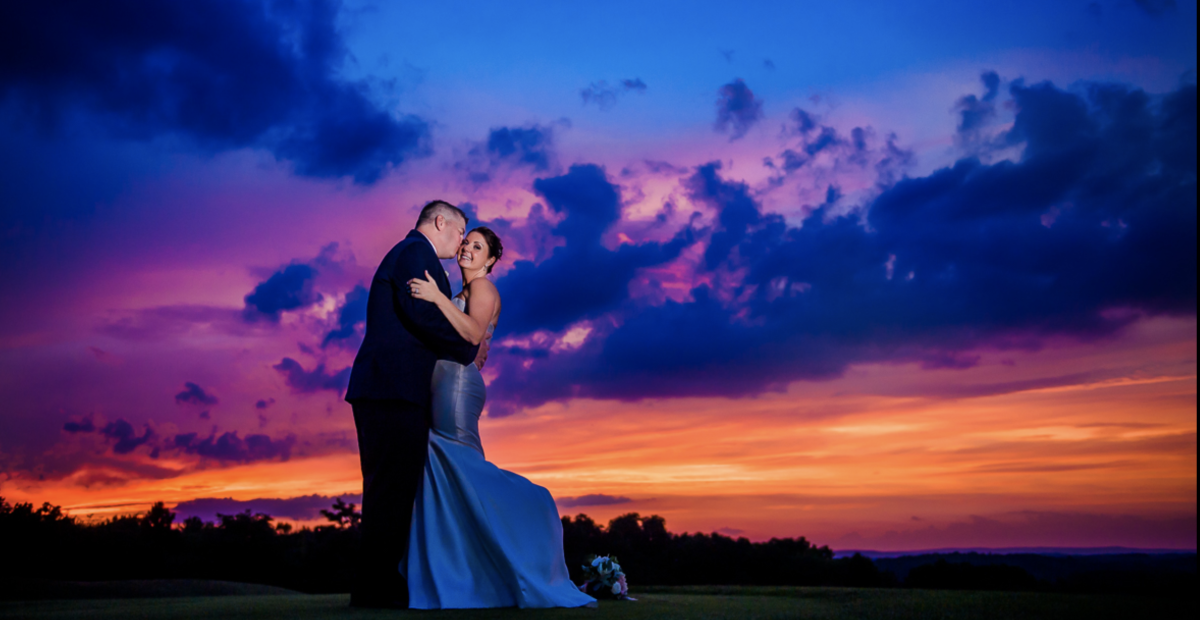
(602, 578)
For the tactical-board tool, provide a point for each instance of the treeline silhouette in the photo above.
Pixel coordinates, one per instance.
(47, 544)
(650, 555)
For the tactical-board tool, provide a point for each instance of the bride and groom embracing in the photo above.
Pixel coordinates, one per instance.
(441, 527)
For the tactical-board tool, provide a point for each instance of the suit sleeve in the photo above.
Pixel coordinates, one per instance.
(431, 326)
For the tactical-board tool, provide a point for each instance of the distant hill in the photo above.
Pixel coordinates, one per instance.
(1051, 551)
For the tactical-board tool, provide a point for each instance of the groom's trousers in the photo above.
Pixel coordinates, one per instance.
(393, 445)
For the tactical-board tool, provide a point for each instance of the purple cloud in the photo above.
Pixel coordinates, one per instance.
(737, 109)
(934, 269)
(506, 149)
(605, 95)
(308, 382)
(351, 321)
(86, 425)
(194, 394)
(230, 447)
(290, 288)
(126, 438)
(594, 499)
(589, 204)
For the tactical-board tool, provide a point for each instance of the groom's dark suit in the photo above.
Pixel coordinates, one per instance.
(390, 393)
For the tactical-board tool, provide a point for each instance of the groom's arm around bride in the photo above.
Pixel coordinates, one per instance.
(390, 393)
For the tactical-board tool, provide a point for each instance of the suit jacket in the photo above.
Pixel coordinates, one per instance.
(405, 336)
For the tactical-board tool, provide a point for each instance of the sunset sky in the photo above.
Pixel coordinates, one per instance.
(885, 275)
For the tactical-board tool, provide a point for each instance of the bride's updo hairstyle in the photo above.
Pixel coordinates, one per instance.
(495, 248)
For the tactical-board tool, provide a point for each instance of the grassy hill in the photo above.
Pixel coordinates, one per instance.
(665, 603)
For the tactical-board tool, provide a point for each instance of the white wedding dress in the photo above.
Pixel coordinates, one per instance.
(481, 536)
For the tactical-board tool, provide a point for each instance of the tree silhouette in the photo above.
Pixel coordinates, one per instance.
(343, 515)
(159, 518)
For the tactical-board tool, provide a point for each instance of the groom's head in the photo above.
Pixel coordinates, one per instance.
(445, 225)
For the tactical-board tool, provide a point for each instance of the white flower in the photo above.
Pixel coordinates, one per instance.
(616, 589)
(596, 562)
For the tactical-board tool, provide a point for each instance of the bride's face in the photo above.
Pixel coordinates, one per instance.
(474, 252)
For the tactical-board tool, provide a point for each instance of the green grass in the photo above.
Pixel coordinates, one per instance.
(733, 603)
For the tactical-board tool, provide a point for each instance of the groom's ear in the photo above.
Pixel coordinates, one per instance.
(439, 222)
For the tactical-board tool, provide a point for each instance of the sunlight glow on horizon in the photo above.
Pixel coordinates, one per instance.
(822, 460)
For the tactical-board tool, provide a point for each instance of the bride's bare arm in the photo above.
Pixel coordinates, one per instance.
(472, 327)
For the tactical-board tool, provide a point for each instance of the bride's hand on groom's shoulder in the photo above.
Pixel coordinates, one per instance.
(425, 289)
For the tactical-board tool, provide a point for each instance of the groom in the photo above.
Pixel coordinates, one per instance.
(390, 394)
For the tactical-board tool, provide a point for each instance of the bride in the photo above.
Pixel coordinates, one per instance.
(481, 536)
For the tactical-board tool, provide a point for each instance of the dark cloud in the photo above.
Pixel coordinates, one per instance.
(594, 499)
(230, 447)
(976, 112)
(509, 148)
(1155, 7)
(588, 204)
(811, 145)
(303, 508)
(805, 122)
(293, 286)
(264, 403)
(636, 84)
(737, 211)
(737, 109)
(525, 146)
(86, 425)
(1094, 227)
(126, 438)
(194, 394)
(271, 80)
(605, 95)
(351, 320)
(287, 289)
(309, 382)
(727, 55)
(815, 138)
(768, 64)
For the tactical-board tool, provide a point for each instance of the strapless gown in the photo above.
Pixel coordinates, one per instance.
(481, 536)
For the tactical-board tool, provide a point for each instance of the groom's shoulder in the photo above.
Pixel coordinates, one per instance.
(410, 244)
(409, 251)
